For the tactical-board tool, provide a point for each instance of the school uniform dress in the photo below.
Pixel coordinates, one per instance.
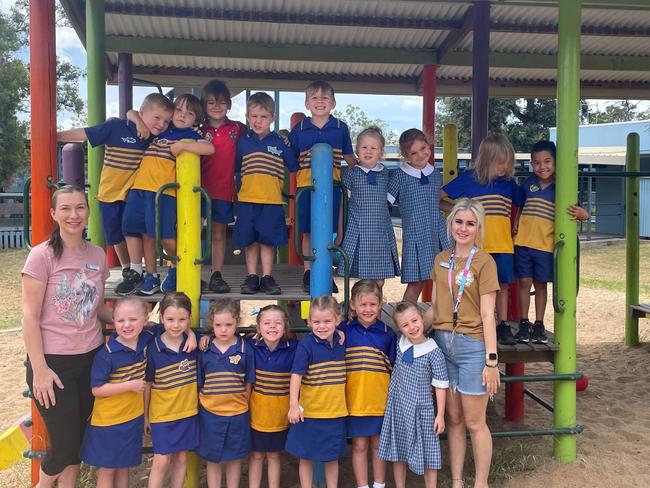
(223, 417)
(321, 436)
(424, 233)
(407, 433)
(269, 402)
(113, 438)
(369, 238)
(173, 404)
(369, 359)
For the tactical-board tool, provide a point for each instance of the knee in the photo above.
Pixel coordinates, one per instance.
(475, 424)
(359, 445)
(455, 419)
(180, 458)
(257, 456)
(162, 461)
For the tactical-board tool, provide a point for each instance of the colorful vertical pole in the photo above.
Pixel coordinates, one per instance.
(449, 153)
(95, 48)
(632, 163)
(429, 128)
(125, 82)
(480, 73)
(321, 219)
(293, 222)
(188, 233)
(566, 230)
(42, 85)
(72, 165)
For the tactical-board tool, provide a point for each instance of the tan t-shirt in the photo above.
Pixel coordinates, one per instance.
(481, 280)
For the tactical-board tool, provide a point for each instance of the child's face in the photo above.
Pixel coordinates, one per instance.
(224, 326)
(543, 165)
(184, 118)
(369, 150)
(323, 323)
(260, 120)
(410, 325)
(216, 109)
(129, 319)
(175, 320)
(418, 154)
(501, 167)
(367, 307)
(464, 227)
(156, 118)
(320, 103)
(271, 326)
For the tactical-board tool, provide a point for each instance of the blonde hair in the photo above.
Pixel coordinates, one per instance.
(372, 131)
(157, 100)
(319, 86)
(491, 150)
(473, 206)
(262, 100)
(365, 287)
(274, 308)
(126, 300)
(325, 303)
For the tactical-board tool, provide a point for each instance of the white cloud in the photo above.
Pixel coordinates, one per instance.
(67, 40)
(411, 103)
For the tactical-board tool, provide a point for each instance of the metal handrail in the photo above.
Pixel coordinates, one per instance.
(208, 224)
(296, 233)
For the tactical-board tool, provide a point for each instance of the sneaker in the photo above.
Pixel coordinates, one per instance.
(306, 278)
(169, 283)
(539, 334)
(504, 334)
(218, 284)
(523, 334)
(269, 286)
(251, 285)
(130, 281)
(150, 284)
(335, 289)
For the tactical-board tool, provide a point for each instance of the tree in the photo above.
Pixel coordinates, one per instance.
(619, 111)
(357, 120)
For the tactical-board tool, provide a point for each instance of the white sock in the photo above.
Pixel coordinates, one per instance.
(126, 266)
(137, 267)
(377, 484)
(364, 486)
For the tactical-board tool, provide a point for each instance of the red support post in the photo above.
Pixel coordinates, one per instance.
(429, 128)
(293, 223)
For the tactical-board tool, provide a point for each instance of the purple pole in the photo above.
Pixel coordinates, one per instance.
(72, 157)
(480, 73)
(125, 82)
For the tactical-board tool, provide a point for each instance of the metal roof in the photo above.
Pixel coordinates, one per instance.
(372, 46)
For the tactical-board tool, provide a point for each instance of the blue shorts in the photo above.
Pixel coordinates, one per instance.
(140, 215)
(317, 439)
(505, 267)
(175, 435)
(533, 263)
(364, 426)
(268, 441)
(112, 214)
(258, 222)
(465, 358)
(224, 438)
(221, 211)
(304, 210)
(114, 446)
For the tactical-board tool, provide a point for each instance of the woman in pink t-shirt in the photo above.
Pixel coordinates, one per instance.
(62, 299)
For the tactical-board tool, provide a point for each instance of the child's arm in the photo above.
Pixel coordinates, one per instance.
(295, 410)
(72, 135)
(201, 147)
(112, 389)
(515, 222)
(141, 128)
(445, 206)
(428, 315)
(147, 400)
(441, 400)
(190, 343)
(577, 212)
(249, 388)
(350, 159)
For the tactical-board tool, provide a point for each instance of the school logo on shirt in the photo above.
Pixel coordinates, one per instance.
(129, 140)
(533, 188)
(235, 359)
(184, 365)
(233, 134)
(470, 278)
(274, 150)
(208, 137)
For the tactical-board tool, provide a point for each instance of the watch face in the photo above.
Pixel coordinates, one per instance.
(492, 356)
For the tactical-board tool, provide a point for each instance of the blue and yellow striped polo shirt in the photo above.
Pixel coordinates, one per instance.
(223, 378)
(537, 221)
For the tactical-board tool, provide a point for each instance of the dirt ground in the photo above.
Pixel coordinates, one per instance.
(613, 450)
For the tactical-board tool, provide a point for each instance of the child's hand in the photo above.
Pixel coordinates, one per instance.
(515, 228)
(577, 213)
(137, 385)
(190, 343)
(439, 424)
(204, 343)
(147, 427)
(341, 337)
(296, 414)
(142, 130)
(177, 148)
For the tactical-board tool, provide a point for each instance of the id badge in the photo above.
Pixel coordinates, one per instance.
(444, 264)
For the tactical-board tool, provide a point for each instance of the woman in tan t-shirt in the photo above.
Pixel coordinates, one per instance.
(465, 330)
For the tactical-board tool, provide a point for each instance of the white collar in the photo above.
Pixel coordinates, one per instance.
(378, 168)
(418, 349)
(410, 170)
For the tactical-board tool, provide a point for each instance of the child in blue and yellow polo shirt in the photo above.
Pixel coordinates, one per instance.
(262, 158)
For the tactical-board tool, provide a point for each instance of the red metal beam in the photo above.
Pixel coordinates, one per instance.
(429, 128)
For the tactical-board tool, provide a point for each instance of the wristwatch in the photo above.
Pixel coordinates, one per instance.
(491, 356)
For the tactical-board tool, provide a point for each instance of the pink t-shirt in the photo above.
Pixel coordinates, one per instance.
(75, 289)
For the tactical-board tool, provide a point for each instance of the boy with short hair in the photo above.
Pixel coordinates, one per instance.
(123, 151)
(262, 156)
(320, 127)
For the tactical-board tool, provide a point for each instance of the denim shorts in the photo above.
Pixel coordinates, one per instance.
(465, 357)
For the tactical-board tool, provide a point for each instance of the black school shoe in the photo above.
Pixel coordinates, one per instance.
(539, 334)
(251, 285)
(218, 284)
(269, 286)
(523, 334)
(130, 281)
(504, 334)
(306, 285)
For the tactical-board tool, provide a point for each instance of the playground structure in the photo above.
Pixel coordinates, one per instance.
(449, 53)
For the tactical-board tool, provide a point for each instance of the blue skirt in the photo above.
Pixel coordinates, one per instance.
(364, 426)
(268, 441)
(224, 438)
(317, 439)
(113, 446)
(175, 435)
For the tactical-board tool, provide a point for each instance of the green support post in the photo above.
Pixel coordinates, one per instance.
(95, 42)
(566, 230)
(632, 163)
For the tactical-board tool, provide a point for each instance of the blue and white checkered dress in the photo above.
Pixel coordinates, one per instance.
(424, 233)
(407, 432)
(369, 239)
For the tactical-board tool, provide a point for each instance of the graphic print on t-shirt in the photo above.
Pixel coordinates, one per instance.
(74, 301)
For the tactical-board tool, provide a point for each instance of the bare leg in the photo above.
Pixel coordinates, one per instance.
(399, 474)
(413, 291)
(474, 407)
(68, 477)
(306, 249)
(218, 245)
(158, 470)
(169, 245)
(267, 254)
(273, 469)
(252, 256)
(135, 249)
(305, 472)
(149, 247)
(332, 474)
(456, 437)
(380, 283)
(122, 478)
(122, 252)
(360, 460)
(105, 477)
(213, 474)
(179, 469)
(502, 302)
(378, 465)
(541, 296)
(524, 296)
(233, 473)
(255, 467)
(430, 478)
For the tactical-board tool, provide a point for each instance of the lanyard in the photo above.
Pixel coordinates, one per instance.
(461, 286)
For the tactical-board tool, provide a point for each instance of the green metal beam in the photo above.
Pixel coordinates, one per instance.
(632, 199)
(244, 50)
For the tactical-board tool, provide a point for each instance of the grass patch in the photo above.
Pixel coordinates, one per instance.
(10, 291)
(515, 457)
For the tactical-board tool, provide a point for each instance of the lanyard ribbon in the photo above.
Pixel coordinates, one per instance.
(463, 280)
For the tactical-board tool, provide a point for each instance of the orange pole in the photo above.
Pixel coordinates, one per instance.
(42, 57)
(429, 128)
(293, 256)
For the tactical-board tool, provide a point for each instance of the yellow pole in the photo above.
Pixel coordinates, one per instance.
(449, 153)
(188, 232)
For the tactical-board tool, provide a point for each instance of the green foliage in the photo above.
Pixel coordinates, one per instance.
(357, 120)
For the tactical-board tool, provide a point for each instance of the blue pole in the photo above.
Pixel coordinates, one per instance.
(321, 219)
